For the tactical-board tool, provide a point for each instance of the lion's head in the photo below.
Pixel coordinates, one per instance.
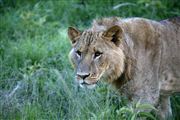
(95, 54)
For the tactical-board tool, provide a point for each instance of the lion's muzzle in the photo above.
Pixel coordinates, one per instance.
(85, 81)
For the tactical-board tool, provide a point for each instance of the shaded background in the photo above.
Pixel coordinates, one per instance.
(36, 78)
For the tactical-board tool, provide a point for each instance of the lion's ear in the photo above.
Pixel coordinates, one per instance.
(114, 34)
(73, 33)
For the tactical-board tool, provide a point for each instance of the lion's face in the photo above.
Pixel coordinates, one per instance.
(91, 55)
(89, 59)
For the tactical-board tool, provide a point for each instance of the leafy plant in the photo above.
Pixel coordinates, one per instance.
(136, 111)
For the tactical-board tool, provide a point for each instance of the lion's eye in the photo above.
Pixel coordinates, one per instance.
(97, 54)
(78, 52)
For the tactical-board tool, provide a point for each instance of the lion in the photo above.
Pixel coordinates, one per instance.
(140, 57)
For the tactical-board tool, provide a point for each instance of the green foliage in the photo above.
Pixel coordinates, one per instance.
(136, 111)
(36, 78)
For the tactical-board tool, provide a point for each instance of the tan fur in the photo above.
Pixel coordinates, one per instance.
(139, 56)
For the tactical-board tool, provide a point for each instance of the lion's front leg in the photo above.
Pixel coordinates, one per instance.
(164, 107)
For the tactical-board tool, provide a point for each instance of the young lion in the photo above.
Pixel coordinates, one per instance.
(138, 56)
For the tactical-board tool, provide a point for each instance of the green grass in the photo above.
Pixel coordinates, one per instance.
(36, 78)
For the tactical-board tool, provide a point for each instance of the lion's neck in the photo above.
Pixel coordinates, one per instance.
(139, 42)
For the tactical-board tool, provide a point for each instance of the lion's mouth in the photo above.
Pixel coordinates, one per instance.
(84, 83)
(88, 85)
(88, 82)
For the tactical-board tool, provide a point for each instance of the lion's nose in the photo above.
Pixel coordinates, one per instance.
(83, 76)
